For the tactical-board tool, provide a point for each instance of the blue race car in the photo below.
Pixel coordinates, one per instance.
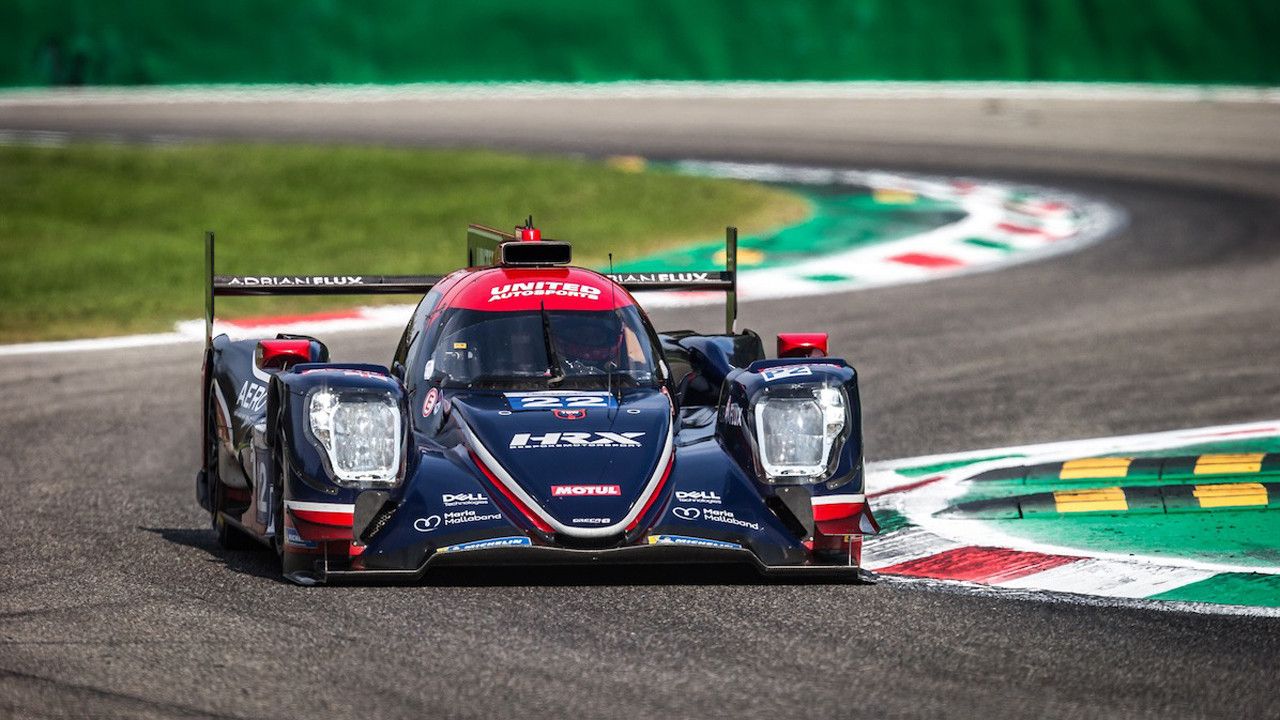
(531, 415)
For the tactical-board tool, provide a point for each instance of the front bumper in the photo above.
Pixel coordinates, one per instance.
(636, 555)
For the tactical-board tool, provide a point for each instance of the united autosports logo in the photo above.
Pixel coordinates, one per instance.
(543, 288)
(577, 440)
(585, 490)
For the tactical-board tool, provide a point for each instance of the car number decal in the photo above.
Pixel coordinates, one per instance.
(559, 400)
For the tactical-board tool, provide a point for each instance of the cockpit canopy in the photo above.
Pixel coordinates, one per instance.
(544, 349)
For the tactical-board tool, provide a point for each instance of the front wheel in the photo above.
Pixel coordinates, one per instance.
(229, 536)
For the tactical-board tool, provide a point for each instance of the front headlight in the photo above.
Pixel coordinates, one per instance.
(798, 430)
(360, 432)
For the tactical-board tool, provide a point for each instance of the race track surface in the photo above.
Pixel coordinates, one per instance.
(116, 602)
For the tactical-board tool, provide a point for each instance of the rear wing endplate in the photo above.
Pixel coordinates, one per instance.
(725, 281)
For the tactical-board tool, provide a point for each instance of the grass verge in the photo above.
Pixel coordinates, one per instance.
(102, 240)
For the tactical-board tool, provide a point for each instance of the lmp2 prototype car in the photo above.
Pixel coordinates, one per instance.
(531, 415)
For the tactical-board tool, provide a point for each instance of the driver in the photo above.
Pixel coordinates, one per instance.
(588, 344)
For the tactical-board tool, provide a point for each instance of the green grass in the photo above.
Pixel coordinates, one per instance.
(107, 239)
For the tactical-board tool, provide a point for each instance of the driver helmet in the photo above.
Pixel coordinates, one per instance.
(594, 338)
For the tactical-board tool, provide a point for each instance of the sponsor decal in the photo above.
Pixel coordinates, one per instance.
(559, 400)
(786, 371)
(698, 496)
(291, 537)
(687, 513)
(577, 440)
(455, 517)
(455, 499)
(430, 402)
(572, 414)
(311, 281)
(514, 541)
(695, 541)
(664, 277)
(592, 521)
(252, 396)
(727, 517)
(543, 288)
(733, 414)
(585, 490)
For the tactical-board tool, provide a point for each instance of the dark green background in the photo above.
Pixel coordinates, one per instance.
(107, 42)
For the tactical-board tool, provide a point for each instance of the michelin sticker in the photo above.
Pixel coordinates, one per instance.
(693, 541)
(515, 541)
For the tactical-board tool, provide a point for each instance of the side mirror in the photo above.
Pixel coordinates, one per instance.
(802, 345)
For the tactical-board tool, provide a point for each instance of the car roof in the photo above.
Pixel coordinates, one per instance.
(508, 289)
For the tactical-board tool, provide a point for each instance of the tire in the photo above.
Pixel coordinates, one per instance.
(229, 536)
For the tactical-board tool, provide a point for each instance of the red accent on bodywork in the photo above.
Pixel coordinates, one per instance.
(800, 345)
(979, 564)
(317, 529)
(654, 496)
(524, 509)
(853, 518)
(504, 289)
(280, 353)
(323, 517)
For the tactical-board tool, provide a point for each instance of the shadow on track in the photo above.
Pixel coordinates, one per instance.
(263, 564)
(257, 563)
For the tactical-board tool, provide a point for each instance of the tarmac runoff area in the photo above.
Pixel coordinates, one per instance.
(1180, 520)
(869, 229)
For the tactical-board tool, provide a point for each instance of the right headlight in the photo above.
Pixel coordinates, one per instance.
(360, 434)
(799, 428)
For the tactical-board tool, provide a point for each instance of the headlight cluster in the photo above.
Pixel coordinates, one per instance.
(798, 429)
(360, 432)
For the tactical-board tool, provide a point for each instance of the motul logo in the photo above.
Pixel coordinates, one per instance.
(576, 439)
(585, 490)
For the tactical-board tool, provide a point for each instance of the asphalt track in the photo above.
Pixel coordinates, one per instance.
(115, 601)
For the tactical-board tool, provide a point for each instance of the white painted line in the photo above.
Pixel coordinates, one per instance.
(1115, 92)
(910, 543)
(1110, 578)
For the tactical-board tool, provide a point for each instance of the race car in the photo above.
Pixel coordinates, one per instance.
(531, 414)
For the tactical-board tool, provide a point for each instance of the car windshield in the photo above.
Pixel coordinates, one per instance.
(537, 349)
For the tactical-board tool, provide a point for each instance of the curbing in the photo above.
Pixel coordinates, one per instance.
(972, 555)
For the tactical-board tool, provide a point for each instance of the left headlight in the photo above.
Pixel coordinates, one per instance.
(799, 429)
(360, 432)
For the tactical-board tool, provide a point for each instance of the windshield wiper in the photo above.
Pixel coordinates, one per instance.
(553, 360)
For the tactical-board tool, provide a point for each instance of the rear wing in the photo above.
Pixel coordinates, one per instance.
(485, 246)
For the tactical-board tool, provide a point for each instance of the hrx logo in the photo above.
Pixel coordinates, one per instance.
(576, 439)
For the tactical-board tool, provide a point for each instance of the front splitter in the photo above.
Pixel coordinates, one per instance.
(626, 556)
